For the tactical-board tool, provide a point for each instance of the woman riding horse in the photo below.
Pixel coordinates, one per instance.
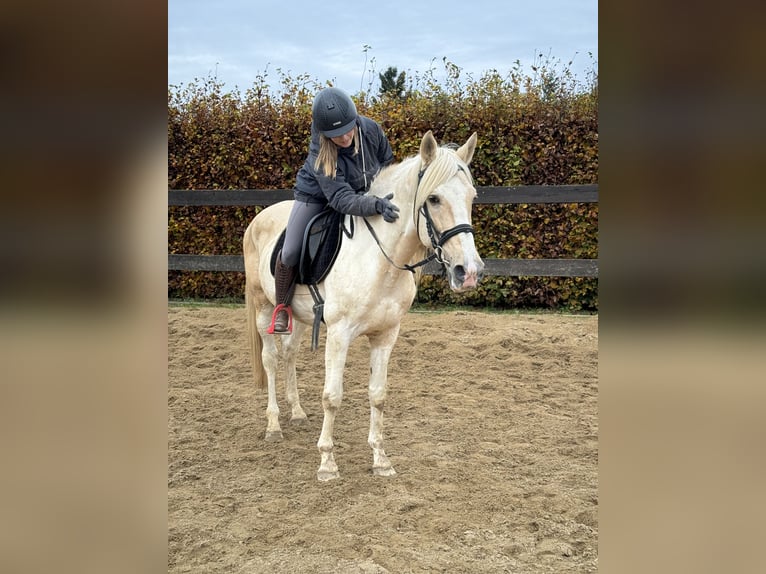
(346, 152)
(370, 287)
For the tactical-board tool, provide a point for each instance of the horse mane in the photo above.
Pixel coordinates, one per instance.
(437, 172)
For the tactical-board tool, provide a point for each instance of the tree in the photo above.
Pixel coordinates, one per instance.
(391, 84)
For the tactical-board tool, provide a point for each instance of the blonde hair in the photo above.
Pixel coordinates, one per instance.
(327, 159)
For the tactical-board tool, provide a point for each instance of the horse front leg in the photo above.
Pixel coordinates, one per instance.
(336, 351)
(380, 354)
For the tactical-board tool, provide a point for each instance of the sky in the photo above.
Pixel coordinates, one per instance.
(350, 43)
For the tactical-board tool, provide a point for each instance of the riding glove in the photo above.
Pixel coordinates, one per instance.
(387, 209)
(367, 205)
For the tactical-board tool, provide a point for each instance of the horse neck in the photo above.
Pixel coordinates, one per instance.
(399, 239)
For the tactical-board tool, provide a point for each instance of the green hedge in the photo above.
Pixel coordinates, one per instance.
(540, 130)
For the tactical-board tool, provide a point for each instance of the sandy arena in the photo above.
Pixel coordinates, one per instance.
(491, 424)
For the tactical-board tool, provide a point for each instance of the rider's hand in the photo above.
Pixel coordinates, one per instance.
(387, 209)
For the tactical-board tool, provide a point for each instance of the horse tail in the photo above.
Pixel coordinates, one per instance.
(252, 282)
(256, 343)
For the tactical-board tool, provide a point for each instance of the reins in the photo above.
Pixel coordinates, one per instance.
(437, 239)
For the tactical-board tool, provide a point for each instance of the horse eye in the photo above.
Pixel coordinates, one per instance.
(433, 200)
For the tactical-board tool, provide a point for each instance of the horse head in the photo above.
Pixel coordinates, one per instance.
(442, 210)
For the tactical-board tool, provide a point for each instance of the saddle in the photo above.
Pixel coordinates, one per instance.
(319, 249)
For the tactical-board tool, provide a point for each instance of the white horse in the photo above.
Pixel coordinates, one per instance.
(370, 287)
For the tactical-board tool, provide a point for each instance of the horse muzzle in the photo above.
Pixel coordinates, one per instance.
(465, 277)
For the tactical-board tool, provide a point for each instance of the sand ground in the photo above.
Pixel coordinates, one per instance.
(491, 424)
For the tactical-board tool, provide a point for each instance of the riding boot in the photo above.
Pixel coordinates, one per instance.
(284, 278)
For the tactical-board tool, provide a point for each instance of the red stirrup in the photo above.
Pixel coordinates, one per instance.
(277, 309)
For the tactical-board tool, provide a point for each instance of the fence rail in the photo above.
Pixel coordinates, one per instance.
(485, 195)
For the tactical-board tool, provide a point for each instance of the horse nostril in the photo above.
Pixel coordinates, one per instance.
(460, 273)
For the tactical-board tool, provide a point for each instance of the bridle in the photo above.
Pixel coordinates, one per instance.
(438, 239)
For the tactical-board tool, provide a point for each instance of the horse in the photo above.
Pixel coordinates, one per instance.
(370, 287)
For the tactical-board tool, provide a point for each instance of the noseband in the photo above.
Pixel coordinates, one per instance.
(438, 239)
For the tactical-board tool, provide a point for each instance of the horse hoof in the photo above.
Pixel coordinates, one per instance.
(325, 475)
(299, 421)
(384, 471)
(274, 436)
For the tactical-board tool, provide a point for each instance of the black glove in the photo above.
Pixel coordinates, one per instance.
(387, 209)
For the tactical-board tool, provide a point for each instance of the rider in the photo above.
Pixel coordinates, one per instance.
(346, 152)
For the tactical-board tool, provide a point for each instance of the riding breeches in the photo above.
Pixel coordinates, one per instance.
(300, 216)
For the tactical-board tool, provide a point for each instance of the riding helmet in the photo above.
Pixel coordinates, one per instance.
(334, 113)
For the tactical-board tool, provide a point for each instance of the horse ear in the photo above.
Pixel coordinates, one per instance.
(466, 152)
(428, 147)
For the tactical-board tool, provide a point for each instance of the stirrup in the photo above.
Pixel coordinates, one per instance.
(277, 309)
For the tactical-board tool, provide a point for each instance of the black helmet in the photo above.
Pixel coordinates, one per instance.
(334, 113)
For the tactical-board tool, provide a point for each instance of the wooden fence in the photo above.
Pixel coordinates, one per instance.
(503, 267)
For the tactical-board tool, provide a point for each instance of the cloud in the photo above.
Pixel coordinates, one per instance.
(325, 43)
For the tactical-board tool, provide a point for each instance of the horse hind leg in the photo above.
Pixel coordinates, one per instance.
(263, 350)
(263, 355)
(270, 358)
(290, 346)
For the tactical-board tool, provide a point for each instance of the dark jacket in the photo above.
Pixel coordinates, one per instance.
(341, 192)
